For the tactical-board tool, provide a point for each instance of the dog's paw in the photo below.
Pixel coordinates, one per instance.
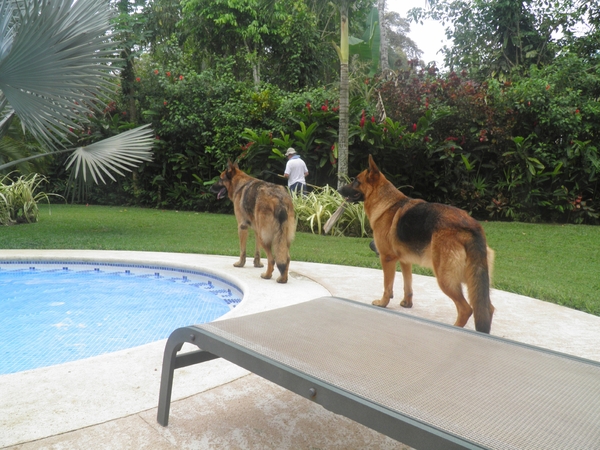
(282, 280)
(380, 303)
(239, 264)
(406, 304)
(258, 264)
(266, 276)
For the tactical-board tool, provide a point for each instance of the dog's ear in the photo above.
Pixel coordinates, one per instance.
(231, 169)
(373, 169)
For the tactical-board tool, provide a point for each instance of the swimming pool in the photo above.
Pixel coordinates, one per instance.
(55, 312)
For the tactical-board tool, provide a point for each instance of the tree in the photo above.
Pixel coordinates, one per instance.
(497, 36)
(276, 41)
(230, 28)
(343, 52)
(54, 70)
(383, 49)
(401, 48)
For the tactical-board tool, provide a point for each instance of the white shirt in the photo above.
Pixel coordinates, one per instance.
(296, 169)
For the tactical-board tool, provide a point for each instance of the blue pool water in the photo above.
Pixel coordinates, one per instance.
(52, 313)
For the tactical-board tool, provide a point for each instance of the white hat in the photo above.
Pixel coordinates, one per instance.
(290, 151)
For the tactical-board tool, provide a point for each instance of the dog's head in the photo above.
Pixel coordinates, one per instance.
(363, 184)
(223, 186)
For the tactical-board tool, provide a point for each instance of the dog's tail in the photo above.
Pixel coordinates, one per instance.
(286, 230)
(480, 260)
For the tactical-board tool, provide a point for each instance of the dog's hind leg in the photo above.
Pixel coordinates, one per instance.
(450, 282)
(257, 262)
(243, 235)
(270, 264)
(389, 273)
(265, 241)
(453, 289)
(407, 278)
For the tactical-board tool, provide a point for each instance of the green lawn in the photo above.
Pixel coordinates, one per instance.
(557, 263)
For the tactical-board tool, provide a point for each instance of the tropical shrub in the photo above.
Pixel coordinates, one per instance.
(315, 208)
(19, 198)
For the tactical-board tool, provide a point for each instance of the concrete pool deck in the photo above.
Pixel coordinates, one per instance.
(109, 401)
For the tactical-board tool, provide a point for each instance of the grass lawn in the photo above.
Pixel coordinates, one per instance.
(557, 263)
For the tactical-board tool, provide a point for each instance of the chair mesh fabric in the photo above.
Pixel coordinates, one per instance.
(492, 392)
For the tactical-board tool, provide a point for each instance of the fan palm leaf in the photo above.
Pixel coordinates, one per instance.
(115, 154)
(54, 57)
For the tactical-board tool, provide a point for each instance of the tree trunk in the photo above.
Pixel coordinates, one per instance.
(383, 47)
(344, 97)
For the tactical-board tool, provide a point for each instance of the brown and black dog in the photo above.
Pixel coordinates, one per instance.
(441, 237)
(265, 207)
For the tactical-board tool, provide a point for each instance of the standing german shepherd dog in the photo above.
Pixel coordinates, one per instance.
(441, 237)
(266, 208)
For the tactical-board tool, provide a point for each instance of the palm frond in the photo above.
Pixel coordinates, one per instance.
(121, 152)
(5, 121)
(53, 62)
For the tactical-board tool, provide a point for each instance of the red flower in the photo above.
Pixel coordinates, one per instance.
(308, 106)
(362, 119)
(168, 74)
(414, 127)
(372, 119)
(138, 79)
(155, 71)
(547, 87)
(180, 77)
(165, 103)
(576, 111)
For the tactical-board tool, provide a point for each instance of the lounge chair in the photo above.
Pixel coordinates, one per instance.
(423, 383)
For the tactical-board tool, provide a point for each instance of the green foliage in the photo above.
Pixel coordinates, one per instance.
(521, 149)
(19, 199)
(497, 37)
(314, 209)
(274, 41)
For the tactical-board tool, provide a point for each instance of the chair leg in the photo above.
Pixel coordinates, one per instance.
(172, 361)
(166, 381)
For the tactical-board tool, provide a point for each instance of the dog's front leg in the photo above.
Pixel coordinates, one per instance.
(388, 263)
(407, 278)
(243, 235)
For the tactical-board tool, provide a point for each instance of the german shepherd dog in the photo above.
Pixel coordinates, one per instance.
(441, 237)
(266, 208)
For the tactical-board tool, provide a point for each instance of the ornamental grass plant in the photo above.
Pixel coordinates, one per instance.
(19, 198)
(314, 209)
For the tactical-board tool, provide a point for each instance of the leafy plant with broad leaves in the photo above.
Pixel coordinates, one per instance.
(54, 70)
